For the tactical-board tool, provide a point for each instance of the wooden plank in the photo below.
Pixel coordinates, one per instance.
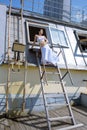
(16, 125)
(37, 121)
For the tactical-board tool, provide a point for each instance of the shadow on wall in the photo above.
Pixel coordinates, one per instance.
(16, 88)
(16, 95)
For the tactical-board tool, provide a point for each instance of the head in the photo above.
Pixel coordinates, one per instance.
(41, 32)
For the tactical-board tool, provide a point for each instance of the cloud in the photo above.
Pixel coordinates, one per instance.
(78, 16)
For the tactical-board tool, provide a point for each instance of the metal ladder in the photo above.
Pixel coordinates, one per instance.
(11, 63)
(43, 73)
(65, 62)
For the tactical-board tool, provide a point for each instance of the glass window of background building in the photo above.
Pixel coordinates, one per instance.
(63, 10)
(53, 8)
(57, 9)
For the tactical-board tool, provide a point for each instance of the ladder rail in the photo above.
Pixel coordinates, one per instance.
(66, 65)
(8, 53)
(45, 75)
(42, 88)
(69, 74)
(25, 62)
(65, 61)
(66, 96)
(24, 89)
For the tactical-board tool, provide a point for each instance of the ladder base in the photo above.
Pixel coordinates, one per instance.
(71, 127)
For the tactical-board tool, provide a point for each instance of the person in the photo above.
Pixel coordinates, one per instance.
(48, 55)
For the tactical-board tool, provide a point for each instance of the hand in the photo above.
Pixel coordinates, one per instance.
(32, 47)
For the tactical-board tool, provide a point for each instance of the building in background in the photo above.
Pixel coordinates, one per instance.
(57, 9)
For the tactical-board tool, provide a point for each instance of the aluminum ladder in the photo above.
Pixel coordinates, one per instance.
(43, 79)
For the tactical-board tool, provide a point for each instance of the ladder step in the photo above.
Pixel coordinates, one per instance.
(60, 118)
(56, 104)
(71, 127)
(56, 95)
(54, 73)
(56, 82)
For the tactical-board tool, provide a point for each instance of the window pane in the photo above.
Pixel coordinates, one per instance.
(58, 37)
(54, 36)
(62, 38)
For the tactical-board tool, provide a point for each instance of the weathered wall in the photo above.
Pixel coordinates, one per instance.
(33, 90)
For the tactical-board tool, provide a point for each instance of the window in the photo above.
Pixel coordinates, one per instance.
(32, 30)
(58, 37)
(81, 41)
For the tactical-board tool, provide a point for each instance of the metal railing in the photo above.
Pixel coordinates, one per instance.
(53, 9)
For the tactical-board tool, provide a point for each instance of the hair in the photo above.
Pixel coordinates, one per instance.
(40, 29)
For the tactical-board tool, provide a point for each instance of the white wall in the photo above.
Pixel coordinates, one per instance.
(73, 54)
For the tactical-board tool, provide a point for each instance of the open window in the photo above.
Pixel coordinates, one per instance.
(58, 37)
(81, 41)
(33, 29)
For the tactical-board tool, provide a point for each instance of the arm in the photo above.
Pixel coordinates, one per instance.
(35, 38)
(46, 39)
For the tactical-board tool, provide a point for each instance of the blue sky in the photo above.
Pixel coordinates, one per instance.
(28, 4)
(75, 3)
(79, 3)
(79, 10)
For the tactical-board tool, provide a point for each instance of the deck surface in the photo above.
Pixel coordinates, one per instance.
(37, 121)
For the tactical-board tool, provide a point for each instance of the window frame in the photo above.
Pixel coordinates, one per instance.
(58, 45)
(80, 42)
(34, 24)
